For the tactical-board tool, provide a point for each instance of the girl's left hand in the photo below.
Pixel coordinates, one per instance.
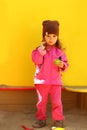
(61, 64)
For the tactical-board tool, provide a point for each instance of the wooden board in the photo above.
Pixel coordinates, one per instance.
(82, 89)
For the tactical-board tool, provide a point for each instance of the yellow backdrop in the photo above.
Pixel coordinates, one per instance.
(20, 33)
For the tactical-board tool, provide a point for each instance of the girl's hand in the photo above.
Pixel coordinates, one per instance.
(43, 45)
(59, 63)
(42, 49)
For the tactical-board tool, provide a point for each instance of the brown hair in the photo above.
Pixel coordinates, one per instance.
(59, 44)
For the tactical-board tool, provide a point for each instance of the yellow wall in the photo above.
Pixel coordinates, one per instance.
(20, 33)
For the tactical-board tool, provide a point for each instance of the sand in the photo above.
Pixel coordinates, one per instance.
(11, 120)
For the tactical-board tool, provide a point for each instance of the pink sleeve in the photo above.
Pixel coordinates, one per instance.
(64, 59)
(37, 56)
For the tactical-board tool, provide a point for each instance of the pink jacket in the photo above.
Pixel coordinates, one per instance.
(46, 70)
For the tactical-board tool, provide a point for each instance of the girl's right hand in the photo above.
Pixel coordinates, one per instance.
(42, 49)
(43, 45)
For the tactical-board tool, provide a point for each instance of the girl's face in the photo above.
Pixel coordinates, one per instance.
(50, 39)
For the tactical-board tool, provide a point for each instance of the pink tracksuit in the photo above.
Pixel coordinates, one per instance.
(48, 80)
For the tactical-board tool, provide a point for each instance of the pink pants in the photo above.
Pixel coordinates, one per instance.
(55, 95)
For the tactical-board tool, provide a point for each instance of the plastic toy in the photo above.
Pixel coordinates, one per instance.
(57, 61)
(25, 128)
(59, 128)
